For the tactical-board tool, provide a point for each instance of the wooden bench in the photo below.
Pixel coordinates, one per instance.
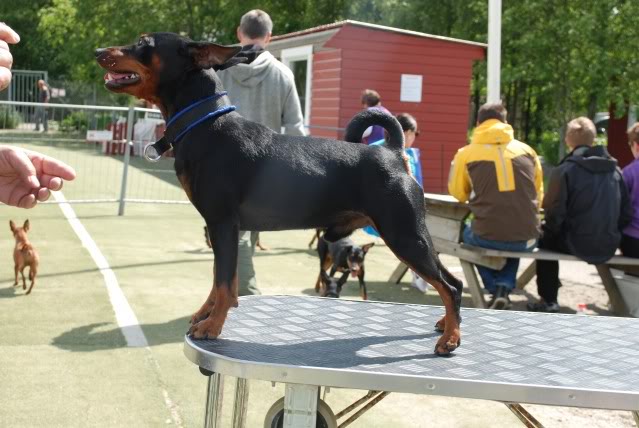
(445, 221)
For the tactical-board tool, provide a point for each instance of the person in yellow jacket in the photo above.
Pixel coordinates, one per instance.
(502, 180)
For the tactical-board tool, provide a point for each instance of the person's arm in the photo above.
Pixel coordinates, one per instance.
(7, 35)
(459, 185)
(626, 212)
(539, 181)
(555, 202)
(292, 119)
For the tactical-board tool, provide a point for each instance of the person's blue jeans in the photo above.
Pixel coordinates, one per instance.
(507, 276)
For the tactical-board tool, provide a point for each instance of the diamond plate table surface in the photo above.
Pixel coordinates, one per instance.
(553, 359)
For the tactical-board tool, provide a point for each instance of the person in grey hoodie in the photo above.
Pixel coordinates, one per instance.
(263, 90)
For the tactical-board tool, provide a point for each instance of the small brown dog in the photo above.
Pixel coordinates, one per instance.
(24, 255)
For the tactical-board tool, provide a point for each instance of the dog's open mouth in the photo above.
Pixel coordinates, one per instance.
(117, 80)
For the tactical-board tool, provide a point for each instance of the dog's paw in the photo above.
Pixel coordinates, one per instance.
(206, 329)
(441, 325)
(448, 343)
(203, 313)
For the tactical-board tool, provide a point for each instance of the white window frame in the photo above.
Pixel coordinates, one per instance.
(302, 53)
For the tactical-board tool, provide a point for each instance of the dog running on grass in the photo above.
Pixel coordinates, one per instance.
(241, 175)
(24, 254)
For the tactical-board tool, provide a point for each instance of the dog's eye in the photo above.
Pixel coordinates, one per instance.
(141, 42)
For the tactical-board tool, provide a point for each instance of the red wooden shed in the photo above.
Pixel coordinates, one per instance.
(425, 75)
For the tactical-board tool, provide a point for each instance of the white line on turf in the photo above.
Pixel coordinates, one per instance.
(127, 321)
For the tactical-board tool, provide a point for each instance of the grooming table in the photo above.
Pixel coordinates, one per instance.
(507, 356)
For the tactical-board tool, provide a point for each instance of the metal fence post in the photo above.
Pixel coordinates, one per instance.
(127, 157)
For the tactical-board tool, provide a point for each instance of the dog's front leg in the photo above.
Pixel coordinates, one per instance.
(224, 238)
(362, 285)
(208, 305)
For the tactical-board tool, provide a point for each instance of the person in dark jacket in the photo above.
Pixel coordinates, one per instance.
(586, 208)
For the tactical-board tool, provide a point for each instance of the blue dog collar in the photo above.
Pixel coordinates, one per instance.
(184, 121)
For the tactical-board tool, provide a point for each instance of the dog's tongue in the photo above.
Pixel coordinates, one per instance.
(115, 76)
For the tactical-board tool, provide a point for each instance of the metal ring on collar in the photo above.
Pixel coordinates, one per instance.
(151, 153)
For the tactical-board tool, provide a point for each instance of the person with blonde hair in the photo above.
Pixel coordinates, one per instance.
(585, 209)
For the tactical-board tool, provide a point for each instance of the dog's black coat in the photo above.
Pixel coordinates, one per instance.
(242, 175)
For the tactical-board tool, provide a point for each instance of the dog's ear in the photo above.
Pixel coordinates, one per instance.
(26, 225)
(211, 55)
(367, 247)
(12, 225)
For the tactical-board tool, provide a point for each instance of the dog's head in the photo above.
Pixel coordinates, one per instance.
(159, 60)
(332, 286)
(20, 233)
(355, 257)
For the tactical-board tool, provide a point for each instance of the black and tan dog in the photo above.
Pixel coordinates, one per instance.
(343, 256)
(241, 175)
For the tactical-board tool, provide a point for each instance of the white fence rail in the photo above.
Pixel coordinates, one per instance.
(103, 143)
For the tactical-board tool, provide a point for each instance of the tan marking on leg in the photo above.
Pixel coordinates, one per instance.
(208, 305)
(184, 181)
(212, 326)
(451, 338)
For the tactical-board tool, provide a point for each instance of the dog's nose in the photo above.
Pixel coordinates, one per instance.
(99, 52)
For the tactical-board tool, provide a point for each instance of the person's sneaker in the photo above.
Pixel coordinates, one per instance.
(541, 306)
(500, 299)
(419, 283)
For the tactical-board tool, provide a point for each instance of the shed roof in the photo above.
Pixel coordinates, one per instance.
(325, 31)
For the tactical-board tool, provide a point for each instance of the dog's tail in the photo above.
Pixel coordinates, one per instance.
(367, 118)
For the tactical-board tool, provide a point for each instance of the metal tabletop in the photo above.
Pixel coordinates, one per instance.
(553, 359)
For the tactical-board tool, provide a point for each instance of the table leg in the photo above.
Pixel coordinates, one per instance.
(527, 275)
(300, 406)
(473, 284)
(616, 301)
(241, 402)
(398, 273)
(523, 415)
(214, 399)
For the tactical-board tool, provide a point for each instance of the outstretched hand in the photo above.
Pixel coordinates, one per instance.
(7, 35)
(27, 177)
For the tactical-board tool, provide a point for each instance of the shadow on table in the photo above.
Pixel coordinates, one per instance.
(334, 353)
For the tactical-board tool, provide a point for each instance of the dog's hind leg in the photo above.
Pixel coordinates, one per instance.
(24, 281)
(32, 275)
(450, 279)
(421, 259)
(225, 239)
(406, 235)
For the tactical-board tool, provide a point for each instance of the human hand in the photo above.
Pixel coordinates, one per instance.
(27, 177)
(7, 35)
